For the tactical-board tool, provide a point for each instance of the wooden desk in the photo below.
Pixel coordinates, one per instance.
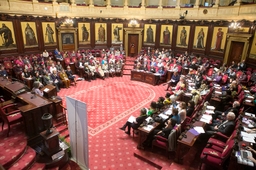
(15, 87)
(143, 134)
(32, 110)
(52, 91)
(188, 141)
(169, 75)
(146, 77)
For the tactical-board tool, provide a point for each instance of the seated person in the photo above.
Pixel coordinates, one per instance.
(190, 108)
(56, 81)
(112, 70)
(38, 78)
(167, 100)
(226, 127)
(99, 70)
(118, 67)
(175, 115)
(52, 68)
(36, 89)
(198, 80)
(218, 77)
(196, 97)
(182, 111)
(153, 109)
(174, 80)
(58, 67)
(47, 78)
(3, 72)
(160, 103)
(221, 115)
(59, 57)
(165, 132)
(70, 75)
(64, 78)
(136, 124)
(88, 72)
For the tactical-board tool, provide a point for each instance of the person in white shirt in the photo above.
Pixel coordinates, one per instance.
(45, 54)
(53, 68)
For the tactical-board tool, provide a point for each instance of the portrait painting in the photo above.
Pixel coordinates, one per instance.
(100, 33)
(149, 33)
(166, 34)
(200, 37)
(219, 38)
(29, 34)
(117, 33)
(49, 33)
(7, 40)
(84, 33)
(253, 48)
(183, 36)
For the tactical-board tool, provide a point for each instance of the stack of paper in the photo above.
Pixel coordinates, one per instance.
(148, 127)
(188, 94)
(210, 107)
(218, 92)
(168, 112)
(163, 116)
(250, 97)
(246, 91)
(132, 119)
(46, 90)
(249, 114)
(206, 118)
(249, 101)
(210, 112)
(248, 137)
(199, 129)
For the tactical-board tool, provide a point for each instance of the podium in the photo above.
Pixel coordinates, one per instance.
(51, 142)
(49, 91)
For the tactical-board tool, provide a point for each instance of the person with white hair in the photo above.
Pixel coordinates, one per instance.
(225, 127)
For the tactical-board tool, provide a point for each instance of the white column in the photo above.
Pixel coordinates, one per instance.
(72, 2)
(54, 1)
(217, 3)
(126, 3)
(108, 3)
(238, 3)
(178, 4)
(160, 4)
(91, 3)
(196, 4)
(142, 3)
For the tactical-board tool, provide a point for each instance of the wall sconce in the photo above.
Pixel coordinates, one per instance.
(184, 15)
(68, 22)
(236, 27)
(133, 22)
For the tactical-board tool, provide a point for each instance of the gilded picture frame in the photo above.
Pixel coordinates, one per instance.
(166, 35)
(100, 33)
(29, 33)
(84, 33)
(8, 41)
(149, 33)
(117, 33)
(49, 33)
(183, 36)
(219, 38)
(253, 48)
(200, 37)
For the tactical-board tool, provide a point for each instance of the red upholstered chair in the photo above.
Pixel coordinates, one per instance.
(216, 158)
(67, 61)
(12, 117)
(219, 141)
(167, 144)
(210, 72)
(239, 73)
(224, 79)
(246, 83)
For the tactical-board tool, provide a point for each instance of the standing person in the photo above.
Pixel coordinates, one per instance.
(49, 33)
(30, 36)
(132, 50)
(200, 39)
(150, 35)
(117, 33)
(219, 39)
(6, 33)
(85, 33)
(183, 37)
(166, 36)
(101, 33)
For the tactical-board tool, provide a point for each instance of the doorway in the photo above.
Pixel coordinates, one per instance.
(133, 39)
(236, 51)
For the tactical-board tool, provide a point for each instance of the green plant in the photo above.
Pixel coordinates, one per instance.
(68, 149)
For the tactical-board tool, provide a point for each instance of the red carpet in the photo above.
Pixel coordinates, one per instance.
(110, 103)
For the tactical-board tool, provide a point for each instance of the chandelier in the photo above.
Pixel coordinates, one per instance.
(235, 26)
(68, 22)
(133, 22)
